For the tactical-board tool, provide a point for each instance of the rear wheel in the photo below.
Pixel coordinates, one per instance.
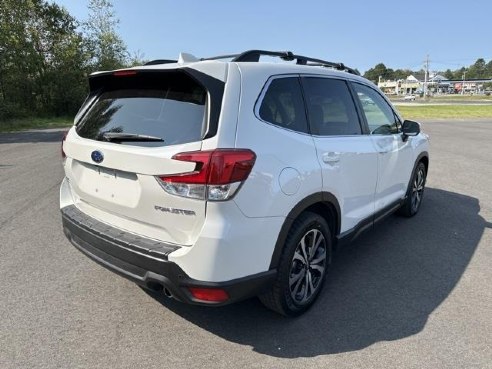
(302, 267)
(415, 192)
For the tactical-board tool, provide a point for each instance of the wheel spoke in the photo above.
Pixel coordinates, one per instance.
(297, 285)
(296, 277)
(319, 259)
(310, 284)
(306, 285)
(303, 249)
(318, 268)
(316, 244)
(299, 257)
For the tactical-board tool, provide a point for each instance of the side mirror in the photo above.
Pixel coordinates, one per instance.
(410, 128)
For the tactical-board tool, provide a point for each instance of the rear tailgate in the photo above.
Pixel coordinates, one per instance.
(114, 180)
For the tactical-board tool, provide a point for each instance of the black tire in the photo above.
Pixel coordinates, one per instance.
(298, 282)
(415, 192)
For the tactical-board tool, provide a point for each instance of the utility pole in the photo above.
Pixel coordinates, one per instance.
(426, 69)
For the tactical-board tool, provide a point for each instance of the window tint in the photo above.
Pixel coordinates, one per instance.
(379, 115)
(331, 109)
(283, 105)
(172, 108)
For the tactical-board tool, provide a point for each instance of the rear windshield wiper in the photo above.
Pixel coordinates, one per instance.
(133, 137)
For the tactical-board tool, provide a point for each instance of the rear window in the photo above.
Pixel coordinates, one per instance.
(171, 106)
(330, 106)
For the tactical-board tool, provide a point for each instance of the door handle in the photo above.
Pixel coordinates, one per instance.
(331, 157)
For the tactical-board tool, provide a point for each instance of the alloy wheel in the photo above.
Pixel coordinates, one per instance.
(308, 266)
(418, 189)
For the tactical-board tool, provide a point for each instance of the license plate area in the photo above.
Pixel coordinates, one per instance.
(106, 184)
(107, 173)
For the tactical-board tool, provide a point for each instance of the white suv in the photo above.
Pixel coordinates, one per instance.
(213, 181)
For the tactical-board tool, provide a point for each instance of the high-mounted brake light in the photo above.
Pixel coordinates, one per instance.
(124, 73)
(217, 175)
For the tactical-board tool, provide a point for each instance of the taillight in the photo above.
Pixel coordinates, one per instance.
(209, 294)
(217, 175)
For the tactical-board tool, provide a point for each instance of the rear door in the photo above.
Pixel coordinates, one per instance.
(395, 156)
(126, 139)
(347, 157)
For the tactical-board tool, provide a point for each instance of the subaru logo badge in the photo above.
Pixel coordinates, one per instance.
(97, 156)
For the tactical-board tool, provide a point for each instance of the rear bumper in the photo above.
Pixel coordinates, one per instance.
(145, 261)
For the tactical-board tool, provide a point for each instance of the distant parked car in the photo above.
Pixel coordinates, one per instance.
(409, 97)
(366, 101)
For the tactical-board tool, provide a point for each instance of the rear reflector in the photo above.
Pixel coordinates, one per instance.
(209, 294)
(217, 175)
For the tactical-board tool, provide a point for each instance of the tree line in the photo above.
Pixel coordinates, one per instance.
(480, 70)
(46, 55)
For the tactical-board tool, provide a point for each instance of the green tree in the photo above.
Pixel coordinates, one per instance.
(458, 73)
(402, 73)
(478, 69)
(106, 48)
(448, 74)
(46, 55)
(488, 68)
(41, 61)
(379, 70)
(136, 58)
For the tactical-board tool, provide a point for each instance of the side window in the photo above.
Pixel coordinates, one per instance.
(283, 105)
(379, 115)
(330, 106)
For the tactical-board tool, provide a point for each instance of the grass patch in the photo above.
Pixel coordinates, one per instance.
(21, 124)
(445, 111)
(460, 97)
(445, 99)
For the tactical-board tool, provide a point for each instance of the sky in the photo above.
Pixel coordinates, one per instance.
(360, 34)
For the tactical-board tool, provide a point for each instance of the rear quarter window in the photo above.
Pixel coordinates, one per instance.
(283, 105)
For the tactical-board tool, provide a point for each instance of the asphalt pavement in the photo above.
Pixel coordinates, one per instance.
(414, 293)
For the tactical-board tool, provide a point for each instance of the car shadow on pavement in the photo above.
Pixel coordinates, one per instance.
(52, 135)
(382, 287)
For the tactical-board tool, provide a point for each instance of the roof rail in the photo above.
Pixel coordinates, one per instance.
(254, 56)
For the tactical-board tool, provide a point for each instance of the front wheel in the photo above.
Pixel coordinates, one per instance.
(302, 268)
(415, 192)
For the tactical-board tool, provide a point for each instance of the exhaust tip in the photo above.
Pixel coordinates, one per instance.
(168, 293)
